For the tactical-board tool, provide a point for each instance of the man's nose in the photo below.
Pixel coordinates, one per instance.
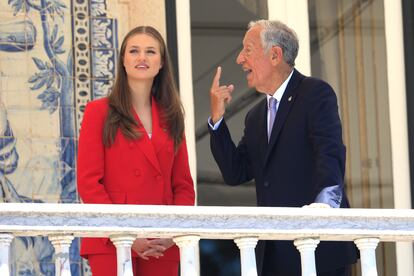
(239, 58)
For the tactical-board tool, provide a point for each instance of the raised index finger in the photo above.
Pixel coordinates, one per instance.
(216, 80)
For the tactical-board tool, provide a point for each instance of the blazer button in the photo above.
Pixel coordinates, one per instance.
(266, 184)
(137, 173)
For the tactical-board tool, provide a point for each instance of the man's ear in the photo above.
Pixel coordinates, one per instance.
(276, 54)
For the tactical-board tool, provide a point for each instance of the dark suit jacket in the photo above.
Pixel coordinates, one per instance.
(305, 154)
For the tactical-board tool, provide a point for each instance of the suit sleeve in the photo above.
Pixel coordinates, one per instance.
(182, 182)
(233, 161)
(326, 139)
(91, 156)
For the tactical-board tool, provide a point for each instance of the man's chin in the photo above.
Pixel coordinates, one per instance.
(250, 84)
(260, 89)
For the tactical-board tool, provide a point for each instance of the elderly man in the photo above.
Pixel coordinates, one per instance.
(292, 144)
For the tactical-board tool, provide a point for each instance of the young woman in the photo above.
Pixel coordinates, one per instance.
(132, 150)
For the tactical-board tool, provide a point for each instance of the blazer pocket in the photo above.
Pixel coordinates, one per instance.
(117, 197)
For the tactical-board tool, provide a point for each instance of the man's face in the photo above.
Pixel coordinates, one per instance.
(255, 62)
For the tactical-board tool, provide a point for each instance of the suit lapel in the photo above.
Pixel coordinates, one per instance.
(285, 106)
(159, 128)
(262, 127)
(146, 144)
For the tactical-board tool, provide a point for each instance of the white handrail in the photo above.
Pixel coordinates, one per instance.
(101, 220)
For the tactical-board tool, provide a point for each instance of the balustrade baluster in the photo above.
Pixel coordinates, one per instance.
(367, 248)
(247, 255)
(307, 248)
(5, 241)
(123, 245)
(61, 245)
(189, 264)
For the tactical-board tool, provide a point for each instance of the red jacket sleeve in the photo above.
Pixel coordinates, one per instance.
(182, 182)
(91, 155)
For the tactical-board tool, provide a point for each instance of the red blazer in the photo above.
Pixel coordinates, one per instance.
(143, 171)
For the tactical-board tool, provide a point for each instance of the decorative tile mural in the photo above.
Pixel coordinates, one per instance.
(55, 56)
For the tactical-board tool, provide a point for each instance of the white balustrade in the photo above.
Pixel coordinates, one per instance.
(61, 243)
(307, 248)
(187, 224)
(5, 241)
(367, 248)
(188, 251)
(123, 244)
(247, 255)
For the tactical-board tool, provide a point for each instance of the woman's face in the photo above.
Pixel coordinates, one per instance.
(142, 58)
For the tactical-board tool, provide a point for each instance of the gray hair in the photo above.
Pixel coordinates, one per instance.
(276, 33)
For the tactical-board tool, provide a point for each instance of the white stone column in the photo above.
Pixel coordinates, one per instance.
(247, 255)
(307, 248)
(61, 245)
(5, 241)
(295, 14)
(123, 245)
(185, 67)
(367, 248)
(188, 251)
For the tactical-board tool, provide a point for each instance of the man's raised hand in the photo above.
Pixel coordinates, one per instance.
(219, 97)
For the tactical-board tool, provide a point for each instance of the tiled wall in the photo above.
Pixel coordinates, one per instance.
(55, 56)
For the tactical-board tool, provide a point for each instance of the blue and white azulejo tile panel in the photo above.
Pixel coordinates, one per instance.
(51, 65)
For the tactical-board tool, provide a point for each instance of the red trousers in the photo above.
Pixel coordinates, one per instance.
(105, 265)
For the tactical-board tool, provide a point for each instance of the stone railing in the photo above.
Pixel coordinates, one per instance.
(187, 225)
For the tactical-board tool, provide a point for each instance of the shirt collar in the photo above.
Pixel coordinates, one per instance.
(281, 90)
